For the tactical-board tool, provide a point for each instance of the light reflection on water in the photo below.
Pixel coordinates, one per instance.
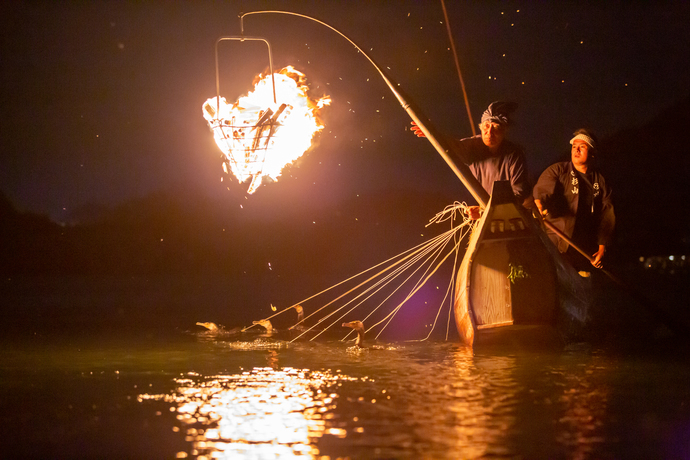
(405, 403)
(482, 403)
(260, 413)
(267, 399)
(584, 404)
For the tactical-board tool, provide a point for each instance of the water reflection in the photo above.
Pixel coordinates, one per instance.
(261, 413)
(584, 402)
(483, 404)
(507, 406)
(417, 401)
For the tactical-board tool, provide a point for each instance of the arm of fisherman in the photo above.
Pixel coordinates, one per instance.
(597, 256)
(544, 189)
(458, 148)
(606, 225)
(608, 217)
(519, 179)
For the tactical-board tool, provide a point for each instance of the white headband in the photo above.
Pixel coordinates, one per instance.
(583, 137)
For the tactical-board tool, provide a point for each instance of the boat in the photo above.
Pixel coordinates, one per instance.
(514, 284)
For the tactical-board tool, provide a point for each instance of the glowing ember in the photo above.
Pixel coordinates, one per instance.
(258, 136)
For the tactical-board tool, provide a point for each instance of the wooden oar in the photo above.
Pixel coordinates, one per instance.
(567, 239)
(674, 324)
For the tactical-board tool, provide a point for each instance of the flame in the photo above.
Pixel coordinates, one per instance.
(258, 136)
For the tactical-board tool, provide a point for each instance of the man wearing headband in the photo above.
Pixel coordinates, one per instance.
(490, 156)
(574, 197)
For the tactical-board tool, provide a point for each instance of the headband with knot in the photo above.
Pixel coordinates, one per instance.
(499, 112)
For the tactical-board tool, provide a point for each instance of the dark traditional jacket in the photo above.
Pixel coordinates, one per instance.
(507, 164)
(578, 205)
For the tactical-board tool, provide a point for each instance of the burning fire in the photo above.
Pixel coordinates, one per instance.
(258, 136)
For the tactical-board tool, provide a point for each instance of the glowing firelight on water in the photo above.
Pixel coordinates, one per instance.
(260, 136)
(262, 413)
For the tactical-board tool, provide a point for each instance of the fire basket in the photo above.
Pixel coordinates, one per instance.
(246, 142)
(244, 138)
(260, 133)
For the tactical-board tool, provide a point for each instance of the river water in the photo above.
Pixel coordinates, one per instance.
(187, 395)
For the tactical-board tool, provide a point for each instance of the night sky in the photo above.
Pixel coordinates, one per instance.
(101, 101)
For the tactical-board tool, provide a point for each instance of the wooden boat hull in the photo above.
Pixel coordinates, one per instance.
(512, 275)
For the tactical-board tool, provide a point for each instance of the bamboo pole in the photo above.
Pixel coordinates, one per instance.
(457, 67)
(460, 169)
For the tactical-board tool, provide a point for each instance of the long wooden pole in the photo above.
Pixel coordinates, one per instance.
(460, 169)
(567, 239)
(457, 67)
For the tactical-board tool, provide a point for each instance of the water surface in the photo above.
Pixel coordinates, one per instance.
(181, 395)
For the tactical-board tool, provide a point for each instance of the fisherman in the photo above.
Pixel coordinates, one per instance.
(490, 156)
(573, 196)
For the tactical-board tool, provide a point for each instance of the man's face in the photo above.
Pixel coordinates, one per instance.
(492, 134)
(580, 152)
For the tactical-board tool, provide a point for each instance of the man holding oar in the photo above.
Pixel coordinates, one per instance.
(573, 197)
(490, 156)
